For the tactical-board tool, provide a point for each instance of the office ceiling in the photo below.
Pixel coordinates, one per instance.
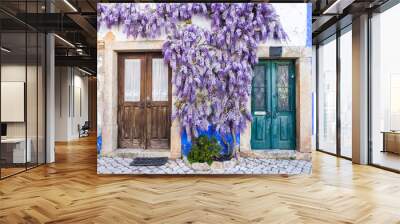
(330, 15)
(75, 21)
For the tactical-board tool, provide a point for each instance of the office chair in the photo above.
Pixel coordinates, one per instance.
(84, 130)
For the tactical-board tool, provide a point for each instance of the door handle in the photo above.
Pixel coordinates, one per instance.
(148, 102)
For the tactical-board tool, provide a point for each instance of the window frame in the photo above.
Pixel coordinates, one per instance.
(334, 37)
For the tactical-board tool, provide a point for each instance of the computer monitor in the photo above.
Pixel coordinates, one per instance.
(3, 129)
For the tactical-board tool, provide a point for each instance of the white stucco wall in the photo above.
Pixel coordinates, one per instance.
(66, 121)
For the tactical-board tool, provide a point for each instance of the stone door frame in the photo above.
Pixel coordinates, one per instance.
(108, 96)
(302, 57)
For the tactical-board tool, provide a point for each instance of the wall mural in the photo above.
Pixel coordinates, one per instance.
(212, 73)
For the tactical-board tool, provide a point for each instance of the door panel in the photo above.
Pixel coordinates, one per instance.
(131, 101)
(159, 90)
(283, 92)
(144, 101)
(283, 132)
(132, 77)
(273, 105)
(260, 131)
(158, 102)
(132, 133)
(158, 127)
(260, 107)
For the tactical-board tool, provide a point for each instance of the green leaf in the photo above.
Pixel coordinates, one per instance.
(204, 149)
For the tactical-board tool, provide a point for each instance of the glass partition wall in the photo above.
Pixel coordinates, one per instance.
(327, 96)
(385, 90)
(345, 91)
(334, 94)
(13, 86)
(22, 77)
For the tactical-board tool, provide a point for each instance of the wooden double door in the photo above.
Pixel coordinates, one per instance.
(144, 101)
(273, 105)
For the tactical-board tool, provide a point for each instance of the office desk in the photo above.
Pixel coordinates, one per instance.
(16, 147)
(391, 141)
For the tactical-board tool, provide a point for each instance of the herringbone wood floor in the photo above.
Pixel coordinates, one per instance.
(70, 191)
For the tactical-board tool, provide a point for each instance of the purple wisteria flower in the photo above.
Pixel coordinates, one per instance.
(212, 69)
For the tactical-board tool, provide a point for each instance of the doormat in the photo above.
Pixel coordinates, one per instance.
(149, 161)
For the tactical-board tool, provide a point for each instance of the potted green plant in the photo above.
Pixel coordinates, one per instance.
(204, 150)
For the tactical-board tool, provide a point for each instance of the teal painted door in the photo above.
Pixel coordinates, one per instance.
(273, 106)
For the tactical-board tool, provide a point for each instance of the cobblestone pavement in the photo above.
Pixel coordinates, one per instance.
(106, 165)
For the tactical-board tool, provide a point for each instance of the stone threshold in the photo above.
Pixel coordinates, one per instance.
(270, 154)
(133, 153)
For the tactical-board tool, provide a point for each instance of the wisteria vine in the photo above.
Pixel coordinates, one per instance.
(212, 68)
